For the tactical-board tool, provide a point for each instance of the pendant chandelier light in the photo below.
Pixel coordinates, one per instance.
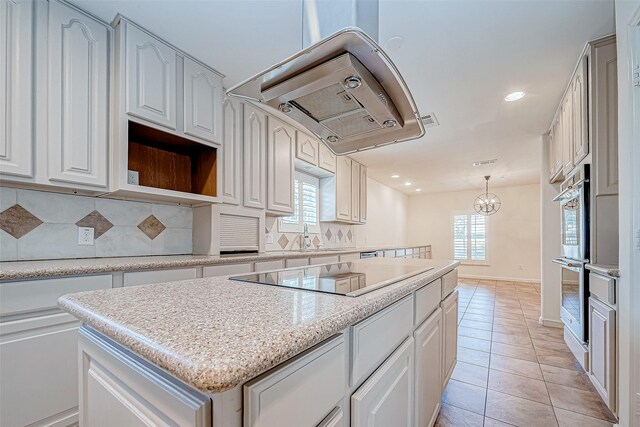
(487, 203)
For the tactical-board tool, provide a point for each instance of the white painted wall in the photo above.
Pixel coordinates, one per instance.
(628, 15)
(514, 232)
(551, 274)
(386, 217)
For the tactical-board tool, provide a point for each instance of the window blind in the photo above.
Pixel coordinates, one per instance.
(460, 237)
(306, 195)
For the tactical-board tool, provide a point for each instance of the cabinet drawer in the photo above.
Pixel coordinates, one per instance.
(603, 288)
(449, 282)
(136, 278)
(269, 265)
(282, 397)
(296, 262)
(427, 300)
(323, 260)
(43, 294)
(334, 419)
(377, 336)
(226, 269)
(349, 257)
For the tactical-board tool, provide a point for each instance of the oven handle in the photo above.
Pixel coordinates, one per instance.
(577, 185)
(567, 263)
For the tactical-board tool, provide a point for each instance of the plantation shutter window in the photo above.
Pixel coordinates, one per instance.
(470, 238)
(306, 194)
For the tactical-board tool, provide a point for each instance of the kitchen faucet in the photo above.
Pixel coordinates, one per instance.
(306, 240)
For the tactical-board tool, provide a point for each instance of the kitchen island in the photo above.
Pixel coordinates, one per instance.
(227, 353)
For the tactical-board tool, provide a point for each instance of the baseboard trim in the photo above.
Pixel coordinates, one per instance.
(551, 322)
(503, 279)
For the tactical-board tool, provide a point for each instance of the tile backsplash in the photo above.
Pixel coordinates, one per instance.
(43, 225)
(332, 235)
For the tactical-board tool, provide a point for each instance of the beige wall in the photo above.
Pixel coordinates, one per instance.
(514, 232)
(386, 217)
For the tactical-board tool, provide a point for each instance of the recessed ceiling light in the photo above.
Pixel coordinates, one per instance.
(407, 183)
(514, 96)
(395, 176)
(418, 189)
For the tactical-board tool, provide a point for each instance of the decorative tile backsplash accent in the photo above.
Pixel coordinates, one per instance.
(17, 221)
(329, 232)
(43, 225)
(95, 220)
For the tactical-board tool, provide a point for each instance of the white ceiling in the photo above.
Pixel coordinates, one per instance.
(460, 58)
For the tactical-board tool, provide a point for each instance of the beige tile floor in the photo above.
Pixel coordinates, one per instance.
(511, 370)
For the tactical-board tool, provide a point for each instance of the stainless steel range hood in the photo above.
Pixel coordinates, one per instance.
(344, 89)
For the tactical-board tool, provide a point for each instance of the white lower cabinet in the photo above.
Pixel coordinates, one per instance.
(428, 348)
(226, 269)
(300, 393)
(39, 352)
(386, 398)
(602, 350)
(450, 336)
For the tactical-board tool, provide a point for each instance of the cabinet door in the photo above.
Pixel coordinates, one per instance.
(326, 158)
(363, 194)
(280, 167)
(78, 113)
(605, 107)
(450, 336)
(567, 134)
(355, 191)
(232, 152)
(428, 342)
(307, 148)
(255, 157)
(202, 102)
(549, 140)
(580, 113)
(343, 188)
(602, 350)
(386, 398)
(39, 365)
(16, 89)
(150, 78)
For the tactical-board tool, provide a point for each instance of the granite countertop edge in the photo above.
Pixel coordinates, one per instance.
(18, 270)
(224, 373)
(608, 270)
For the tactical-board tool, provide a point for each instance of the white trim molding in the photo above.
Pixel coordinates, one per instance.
(499, 278)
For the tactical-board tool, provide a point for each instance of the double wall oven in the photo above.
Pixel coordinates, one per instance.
(574, 202)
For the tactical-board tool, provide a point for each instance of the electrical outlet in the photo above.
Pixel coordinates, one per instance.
(269, 239)
(85, 236)
(133, 177)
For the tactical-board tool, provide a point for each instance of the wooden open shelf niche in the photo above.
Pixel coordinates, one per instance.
(170, 162)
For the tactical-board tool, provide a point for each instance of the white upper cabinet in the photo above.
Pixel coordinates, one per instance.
(567, 134)
(580, 113)
(78, 113)
(363, 194)
(150, 78)
(255, 157)
(280, 166)
(555, 150)
(605, 116)
(343, 189)
(355, 191)
(326, 158)
(232, 151)
(16, 89)
(202, 102)
(307, 148)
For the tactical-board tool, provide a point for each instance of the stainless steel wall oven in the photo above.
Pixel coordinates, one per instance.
(574, 202)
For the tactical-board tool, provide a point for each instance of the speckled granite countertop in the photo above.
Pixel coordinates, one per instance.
(215, 334)
(16, 270)
(607, 270)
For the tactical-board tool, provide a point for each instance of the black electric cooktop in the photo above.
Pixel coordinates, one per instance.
(345, 278)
